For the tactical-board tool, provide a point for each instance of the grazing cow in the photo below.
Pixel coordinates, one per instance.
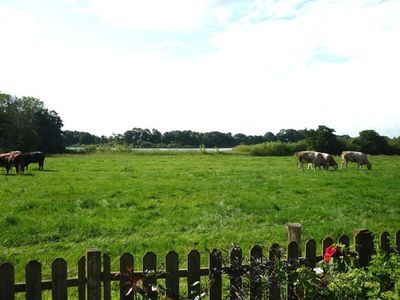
(315, 158)
(330, 161)
(34, 157)
(12, 159)
(353, 156)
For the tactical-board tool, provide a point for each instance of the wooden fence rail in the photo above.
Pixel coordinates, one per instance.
(95, 276)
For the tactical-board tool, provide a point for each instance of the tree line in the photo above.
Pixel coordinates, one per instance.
(321, 139)
(27, 125)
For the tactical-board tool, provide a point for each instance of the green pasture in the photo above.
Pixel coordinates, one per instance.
(160, 202)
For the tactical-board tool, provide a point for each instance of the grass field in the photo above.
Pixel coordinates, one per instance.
(159, 202)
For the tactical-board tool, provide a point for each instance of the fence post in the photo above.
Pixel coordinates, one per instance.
(7, 280)
(33, 279)
(364, 246)
(236, 257)
(294, 234)
(93, 274)
(82, 278)
(150, 276)
(274, 284)
(215, 266)
(311, 253)
(256, 270)
(59, 289)
(172, 275)
(193, 280)
(293, 256)
(126, 269)
(385, 242)
(107, 276)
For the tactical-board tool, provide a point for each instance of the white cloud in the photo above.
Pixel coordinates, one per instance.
(149, 15)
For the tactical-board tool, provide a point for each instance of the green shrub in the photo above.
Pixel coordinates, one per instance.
(272, 148)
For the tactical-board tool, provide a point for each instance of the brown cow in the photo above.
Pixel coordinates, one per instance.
(315, 158)
(12, 159)
(358, 157)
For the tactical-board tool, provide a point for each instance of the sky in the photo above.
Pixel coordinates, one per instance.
(239, 66)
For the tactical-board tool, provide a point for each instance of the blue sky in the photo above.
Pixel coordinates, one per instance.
(234, 66)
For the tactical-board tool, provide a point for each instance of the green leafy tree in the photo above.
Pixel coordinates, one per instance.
(369, 141)
(324, 140)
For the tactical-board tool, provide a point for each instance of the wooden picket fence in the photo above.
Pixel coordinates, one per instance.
(95, 276)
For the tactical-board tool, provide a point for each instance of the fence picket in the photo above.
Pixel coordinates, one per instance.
(7, 280)
(82, 278)
(274, 285)
(193, 277)
(172, 275)
(364, 246)
(385, 242)
(311, 253)
(106, 276)
(126, 268)
(326, 242)
(293, 255)
(236, 258)
(398, 240)
(150, 275)
(59, 290)
(215, 265)
(344, 239)
(256, 271)
(33, 279)
(93, 274)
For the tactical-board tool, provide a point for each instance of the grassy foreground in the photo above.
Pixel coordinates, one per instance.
(159, 202)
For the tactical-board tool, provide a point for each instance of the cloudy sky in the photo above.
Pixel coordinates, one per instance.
(240, 66)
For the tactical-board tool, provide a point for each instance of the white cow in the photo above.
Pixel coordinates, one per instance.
(314, 158)
(358, 157)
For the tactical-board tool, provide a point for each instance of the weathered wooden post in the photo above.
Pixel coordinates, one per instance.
(33, 279)
(294, 234)
(364, 246)
(59, 287)
(7, 280)
(93, 274)
(215, 266)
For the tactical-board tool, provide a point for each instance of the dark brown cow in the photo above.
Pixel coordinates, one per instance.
(34, 157)
(12, 159)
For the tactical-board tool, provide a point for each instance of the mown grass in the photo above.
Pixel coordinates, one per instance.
(137, 203)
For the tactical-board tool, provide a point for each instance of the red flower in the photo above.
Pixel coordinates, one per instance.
(331, 251)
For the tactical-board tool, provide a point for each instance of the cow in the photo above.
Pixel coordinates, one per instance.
(330, 161)
(34, 157)
(12, 159)
(359, 157)
(315, 158)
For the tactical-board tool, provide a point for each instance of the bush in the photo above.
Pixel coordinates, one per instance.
(272, 148)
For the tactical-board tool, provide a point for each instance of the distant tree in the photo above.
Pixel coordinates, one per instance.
(27, 125)
(371, 142)
(270, 137)
(218, 139)
(240, 139)
(48, 128)
(290, 135)
(323, 139)
(136, 136)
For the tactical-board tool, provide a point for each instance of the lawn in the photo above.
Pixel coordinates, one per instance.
(159, 202)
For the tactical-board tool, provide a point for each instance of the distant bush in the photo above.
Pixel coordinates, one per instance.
(272, 148)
